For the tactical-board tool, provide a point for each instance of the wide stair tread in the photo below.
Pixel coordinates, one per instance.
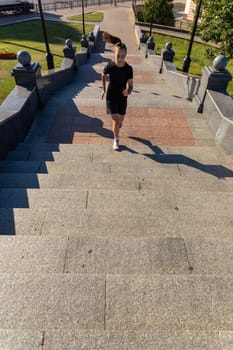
(62, 218)
(100, 255)
(116, 301)
(74, 339)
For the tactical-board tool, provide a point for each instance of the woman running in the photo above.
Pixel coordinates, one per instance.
(120, 85)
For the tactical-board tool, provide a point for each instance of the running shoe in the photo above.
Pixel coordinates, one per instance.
(116, 145)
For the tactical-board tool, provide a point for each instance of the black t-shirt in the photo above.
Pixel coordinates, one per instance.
(118, 79)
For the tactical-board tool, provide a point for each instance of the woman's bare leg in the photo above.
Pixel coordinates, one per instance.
(116, 123)
(121, 119)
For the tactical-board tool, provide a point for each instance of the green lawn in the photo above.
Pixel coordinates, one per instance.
(28, 36)
(198, 55)
(89, 17)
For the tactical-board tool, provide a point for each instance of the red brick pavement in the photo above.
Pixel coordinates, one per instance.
(90, 125)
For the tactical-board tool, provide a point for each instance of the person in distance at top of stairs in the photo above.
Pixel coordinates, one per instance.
(120, 85)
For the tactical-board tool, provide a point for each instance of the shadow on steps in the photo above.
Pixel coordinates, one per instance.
(219, 171)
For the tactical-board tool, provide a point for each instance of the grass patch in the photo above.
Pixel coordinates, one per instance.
(199, 55)
(28, 36)
(89, 17)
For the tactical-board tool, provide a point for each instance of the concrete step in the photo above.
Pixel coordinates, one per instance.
(116, 302)
(169, 302)
(114, 164)
(17, 340)
(136, 340)
(73, 339)
(82, 180)
(92, 97)
(42, 198)
(92, 175)
(33, 254)
(115, 255)
(27, 166)
(150, 172)
(72, 219)
(91, 255)
(20, 180)
(148, 202)
(32, 156)
(216, 168)
(205, 155)
(119, 201)
(43, 301)
(166, 222)
(104, 177)
(58, 167)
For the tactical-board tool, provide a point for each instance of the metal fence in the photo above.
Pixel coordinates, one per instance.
(70, 4)
(50, 5)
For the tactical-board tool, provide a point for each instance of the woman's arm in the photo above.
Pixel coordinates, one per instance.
(127, 92)
(103, 85)
(130, 86)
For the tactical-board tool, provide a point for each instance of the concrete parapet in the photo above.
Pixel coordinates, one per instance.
(138, 35)
(214, 78)
(16, 117)
(185, 84)
(96, 32)
(82, 56)
(218, 110)
(54, 80)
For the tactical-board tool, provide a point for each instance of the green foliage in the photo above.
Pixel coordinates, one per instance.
(211, 53)
(89, 17)
(217, 24)
(159, 11)
(140, 16)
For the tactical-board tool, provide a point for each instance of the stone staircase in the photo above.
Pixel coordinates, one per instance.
(117, 251)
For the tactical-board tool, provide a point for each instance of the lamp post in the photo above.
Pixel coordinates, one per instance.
(49, 56)
(187, 59)
(83, 20)
(152, 17)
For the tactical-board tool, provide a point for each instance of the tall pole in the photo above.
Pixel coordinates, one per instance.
(187, 59)
(83, 19)
(152, 17)
(49, 56)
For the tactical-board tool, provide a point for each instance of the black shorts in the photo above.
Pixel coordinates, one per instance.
(116, 107)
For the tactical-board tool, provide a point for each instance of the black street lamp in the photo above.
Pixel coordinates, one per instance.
(49, 56)
(152, 17)
(187, 59)
(83, 20)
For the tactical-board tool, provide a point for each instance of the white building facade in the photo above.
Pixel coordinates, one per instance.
(189, 10)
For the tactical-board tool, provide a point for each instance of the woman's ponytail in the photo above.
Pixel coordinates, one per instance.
(114, 40)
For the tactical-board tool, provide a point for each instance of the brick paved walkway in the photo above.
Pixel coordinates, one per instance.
(91, 125)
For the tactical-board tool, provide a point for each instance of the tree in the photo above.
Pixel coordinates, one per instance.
(159, 11)
(217, 24)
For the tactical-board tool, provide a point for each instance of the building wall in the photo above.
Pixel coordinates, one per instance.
(189, 10)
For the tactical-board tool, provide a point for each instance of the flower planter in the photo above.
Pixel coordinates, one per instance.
(7, 56)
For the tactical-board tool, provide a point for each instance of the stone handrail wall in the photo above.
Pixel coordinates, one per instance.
(218, 111)
(187, 85)
(18, 110)
(16, 116)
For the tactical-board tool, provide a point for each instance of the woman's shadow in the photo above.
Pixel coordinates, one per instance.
(158, 155)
